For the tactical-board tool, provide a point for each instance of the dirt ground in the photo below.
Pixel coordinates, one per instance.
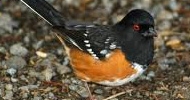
(33, 65)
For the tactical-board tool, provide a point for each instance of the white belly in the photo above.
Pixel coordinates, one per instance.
(119, 82)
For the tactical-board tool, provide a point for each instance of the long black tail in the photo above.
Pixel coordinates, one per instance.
(46, 11)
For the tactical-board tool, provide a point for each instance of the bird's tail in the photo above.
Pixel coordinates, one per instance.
(46, 11)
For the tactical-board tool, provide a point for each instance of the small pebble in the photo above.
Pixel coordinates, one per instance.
(145, 4)
(162, 63)
(158, 92)
(139, 95)
(0, 92)
(48, 73)
(8, 86)
(76, 81)
(37, 98)
(82, 91)
(109, 5)
(75, 3)
(171, 54)
(98, 91)
(151, 74)
(167, 15)
(187, 45)
(148, 77)
(3, 64)
(117, 18)
(186, 79)
(23, 78)
(60, 51)
(28, 87)
(51, 95)
(27, 39)
(73, 87)
(100, 97)
(3, 50)
(165, 33)
(16, 62)
(11, 71)
(18, 50)
(164, 25)
(114, 99)
(14, 79)
(123, 3)
(38, 44)
(66, 61)
(8, 95)
(175, 44)
(159, 42)
(173, 5)
(38, 75)
(6, 23)
(25, 95)
(41, 54)
(172, 61)
(62, 69)
(66, 81)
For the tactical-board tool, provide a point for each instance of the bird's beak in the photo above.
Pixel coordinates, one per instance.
(150, 33)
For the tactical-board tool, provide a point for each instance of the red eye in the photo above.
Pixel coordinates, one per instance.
(136, 27)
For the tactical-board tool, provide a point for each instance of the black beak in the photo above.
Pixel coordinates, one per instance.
(150, 33)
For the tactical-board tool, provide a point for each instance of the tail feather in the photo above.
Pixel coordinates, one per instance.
(54, 18)
(46, 11)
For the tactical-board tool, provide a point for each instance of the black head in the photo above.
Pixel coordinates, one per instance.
(139, 21)
(135, 34)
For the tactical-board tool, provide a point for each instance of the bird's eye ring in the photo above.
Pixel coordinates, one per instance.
(136, 27)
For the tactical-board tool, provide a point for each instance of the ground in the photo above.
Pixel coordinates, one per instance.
(33, 65)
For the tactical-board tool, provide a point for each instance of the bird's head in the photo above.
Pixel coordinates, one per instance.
(140, 22)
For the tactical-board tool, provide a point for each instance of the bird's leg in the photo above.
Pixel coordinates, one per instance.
(88, 89)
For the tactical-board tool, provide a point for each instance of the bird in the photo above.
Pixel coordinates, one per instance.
(110, 55)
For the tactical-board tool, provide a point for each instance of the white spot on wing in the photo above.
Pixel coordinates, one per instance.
(95, 56)
(108, 55)
(108, 39)
(117, 82)
(106, 42)
(92, 53)
(104, 52)
(85, 35)
(112, 46)
(87, 45)
(87, 31)
(86, 41)
(90, 26)
(89, 50)
(77, 26)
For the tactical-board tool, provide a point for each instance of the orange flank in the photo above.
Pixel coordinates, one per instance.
(90, 69)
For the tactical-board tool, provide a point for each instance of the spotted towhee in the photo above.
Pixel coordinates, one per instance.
(106, 54)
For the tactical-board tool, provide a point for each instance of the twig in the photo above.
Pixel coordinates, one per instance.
(115, 95)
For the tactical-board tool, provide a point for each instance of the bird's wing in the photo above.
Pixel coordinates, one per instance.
(96, 40)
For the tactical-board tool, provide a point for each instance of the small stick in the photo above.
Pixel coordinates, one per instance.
(115, 95)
